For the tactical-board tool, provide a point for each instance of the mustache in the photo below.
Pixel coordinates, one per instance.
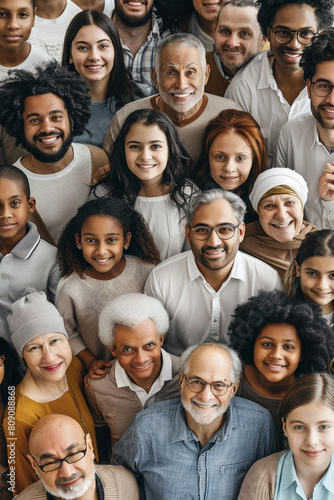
(219, 247)
(64, 480)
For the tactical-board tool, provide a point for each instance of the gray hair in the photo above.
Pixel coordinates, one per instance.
(131, 310)
(235, 360)
(208, 197)
(183, 39)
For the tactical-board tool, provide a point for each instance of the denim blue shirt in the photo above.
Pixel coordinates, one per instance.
(160, 447)
(288, 484)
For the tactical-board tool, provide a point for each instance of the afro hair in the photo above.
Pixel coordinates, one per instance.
(48, 79)
(316, 336)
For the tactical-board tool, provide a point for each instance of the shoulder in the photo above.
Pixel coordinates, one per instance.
(162, 410)
(138, 265)
(143, 103)
(244, 407)
(171, 265)
(301, 125)
(35, 491)
(98, 155)
(117, 482)
(217, 103)
(256, 265)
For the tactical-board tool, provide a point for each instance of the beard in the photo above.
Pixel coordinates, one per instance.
(204, 416)
(132, 21)
(72, 492)
(48, 157)
(329, 124)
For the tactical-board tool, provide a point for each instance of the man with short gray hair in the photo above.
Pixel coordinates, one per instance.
(180, 74)
(200, 288)
(202, 446)
(133, 327)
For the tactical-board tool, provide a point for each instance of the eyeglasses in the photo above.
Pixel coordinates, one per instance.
(304, 37)
(2, 359)
(197, 385)
(223, 231)
(56, 464)
(322, 89)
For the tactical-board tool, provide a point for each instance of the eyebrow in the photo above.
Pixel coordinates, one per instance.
(54, 111)
(108, 234)
(220, 224)
(51, 455)
(149, 142)
(312, 269)
(273, 338)
(99, 41)
(172, 65)
(317, 423)
(281, 26)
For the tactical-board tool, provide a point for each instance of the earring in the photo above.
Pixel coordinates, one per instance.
(79, 247)
(125, 248)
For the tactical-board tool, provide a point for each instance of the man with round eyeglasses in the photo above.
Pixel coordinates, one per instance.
(306, 144)
(200, 288)
(62, 457)
(202, 446)
(271, 87)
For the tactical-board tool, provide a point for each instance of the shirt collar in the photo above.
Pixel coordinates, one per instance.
(267, 79)
(25, 247)
(219, 66)
(237, 271)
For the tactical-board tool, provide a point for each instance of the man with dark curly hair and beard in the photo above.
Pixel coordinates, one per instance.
(272, 87)
(44, 111)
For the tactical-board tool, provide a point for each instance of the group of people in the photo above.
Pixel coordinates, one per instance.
(166, 249)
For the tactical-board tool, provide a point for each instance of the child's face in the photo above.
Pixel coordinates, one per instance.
(17, 17)
(230, 160)
(14, 210)
(146, 152)
(92, 53)
(277, 352)
(317, 281)
(102, 242)
(310, 432)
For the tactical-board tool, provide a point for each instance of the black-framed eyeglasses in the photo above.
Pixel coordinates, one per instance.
(322, 89)
(304, 37)
(197, 385)
(2, 359)
(223, 231)
(56, 464)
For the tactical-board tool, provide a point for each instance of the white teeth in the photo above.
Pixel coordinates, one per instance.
(147, 167)
(48, 140)
(181, 95)
(282, 225)
(275, 366)
(294, 56)
(95, 67)
(204, 406)
(329, 110)
(102, 260)
(233, 53)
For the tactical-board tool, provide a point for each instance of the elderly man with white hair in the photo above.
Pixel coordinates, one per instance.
(133, 327)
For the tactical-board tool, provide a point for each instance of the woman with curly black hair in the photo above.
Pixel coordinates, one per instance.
(278, 340)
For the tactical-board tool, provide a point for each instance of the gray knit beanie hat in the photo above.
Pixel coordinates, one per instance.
(33, 315)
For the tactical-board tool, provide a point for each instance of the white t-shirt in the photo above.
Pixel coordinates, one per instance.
(35, 58)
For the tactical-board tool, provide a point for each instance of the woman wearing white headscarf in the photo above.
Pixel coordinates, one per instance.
(278, 196)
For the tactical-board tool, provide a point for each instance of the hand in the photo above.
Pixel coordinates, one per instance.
(101, 173)
(326, 183)
(97, 369)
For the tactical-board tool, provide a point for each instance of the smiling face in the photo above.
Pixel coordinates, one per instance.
(208, 365)
(277, 352)
(238, 36)
(102, 242)
(230, 160)
(310, 432)
(134, 13)
(14, 210)
(281, 216)
(146, 153)
(181, 79)
(291, 17)
(16, 20)
(208, 10)
(323, 107)
(317, 281)
(92, 54)
(46, 127)
(215, 254)
(55, 442)
(138, 351)
(48, 356)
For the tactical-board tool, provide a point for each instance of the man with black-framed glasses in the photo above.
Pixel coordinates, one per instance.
(307, 143)
(62, 457)
(200, 288)
(271, 87)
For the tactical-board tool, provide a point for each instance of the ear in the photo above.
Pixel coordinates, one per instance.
(235, 388)
(127, 240)
(242, 231)
(162, 340)
(263, 40)
(188, 231)
(181, 378)
(113, 351)
(33, 464)
(297, 269)
(154, 77)
(284, 427)
(308, 86)
(77, 241)
(31, 205)
(207, 73)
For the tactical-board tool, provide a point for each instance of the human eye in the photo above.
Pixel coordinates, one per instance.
(191, 72)
(225, 230)
(241, 158)
(127, 349)
(324, 427)
(269, 206)
(34, 348)
(57, 118)
(34, 121)
(156, 146)
(331, 276)
(24, 15)
(219, 386)
(306, 34)
(311, 273)
(224, 32)
(284, 33)
(266, 344)
(104, 46)
(90, 240)
(245, 34)
(170, 72)
(150, 345)
(289, 203)
(323, 85)
(196, 383)
(134, 146)
(299, 427)
(3, 14)
(15, 203)
(220, 157)
(82, 48)
(112, 240)
(288, 347)
(55, 341)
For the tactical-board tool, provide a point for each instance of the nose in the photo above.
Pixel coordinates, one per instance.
(312, 437)
(294, 43)
(330, 98)
(12, 23)
(146, 153)
(101, 248)
(48, 354)
(5, 212)
(233, 40)
(281, 211)
(182, 81)
(46, 125)
(66, 470)
(322, 282)
(276, 352)
(229, 166)
(213, 239)
(140, 356)
(94, 54)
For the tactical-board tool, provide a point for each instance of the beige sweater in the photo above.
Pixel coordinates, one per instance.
(118, 484)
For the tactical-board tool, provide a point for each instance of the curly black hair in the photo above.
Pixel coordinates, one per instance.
(316, 336)
(142, 245)
(47, 79)
(320, 50)
(268, 8)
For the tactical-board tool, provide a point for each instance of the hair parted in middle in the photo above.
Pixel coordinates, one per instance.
(122, 183)
(46, 79)
(316, 336)
(244, 125)
(321, 49)
(142, 245)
